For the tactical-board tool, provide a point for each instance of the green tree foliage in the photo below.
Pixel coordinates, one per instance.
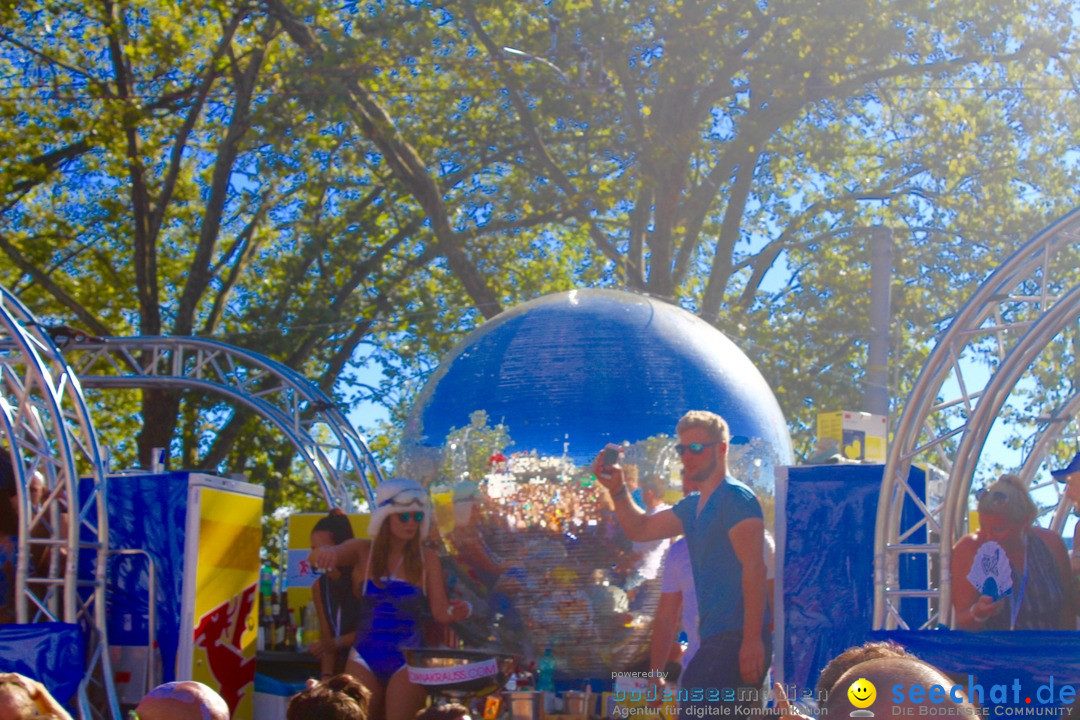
(181, 169)
(731, 157)
(328, 182)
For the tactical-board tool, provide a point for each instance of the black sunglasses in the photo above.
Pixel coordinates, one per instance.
(695, 448)
(997, 495)
(416, 517)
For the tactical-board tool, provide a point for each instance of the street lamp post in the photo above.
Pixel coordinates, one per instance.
(876, 387)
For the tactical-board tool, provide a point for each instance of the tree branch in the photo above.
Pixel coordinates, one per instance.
(44, 282)
(407, 166)
(244, 248)
(561, 179)
(729, 235)
(199, 275)
(146, 281)
(182, 134)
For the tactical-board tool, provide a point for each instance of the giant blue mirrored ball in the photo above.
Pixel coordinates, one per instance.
(504, 434)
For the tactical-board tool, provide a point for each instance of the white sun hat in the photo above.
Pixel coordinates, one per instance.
(400, 495)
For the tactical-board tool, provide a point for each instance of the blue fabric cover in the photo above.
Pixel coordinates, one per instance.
(828, 563)
(1031, 656)
(51, 653)
(146, 512)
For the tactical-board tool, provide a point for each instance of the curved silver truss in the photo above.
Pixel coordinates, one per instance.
(1013, 316)
(46, 427)
(323, 436)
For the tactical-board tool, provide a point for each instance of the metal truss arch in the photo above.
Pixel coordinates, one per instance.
(334, 451)
(1009, 320)
(47, 429)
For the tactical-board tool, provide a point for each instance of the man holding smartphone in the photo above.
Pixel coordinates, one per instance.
(724, 532)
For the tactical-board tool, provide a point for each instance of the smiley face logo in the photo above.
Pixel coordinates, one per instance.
(862, 693)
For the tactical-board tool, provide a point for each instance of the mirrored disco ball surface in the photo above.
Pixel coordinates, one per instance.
(504, 434)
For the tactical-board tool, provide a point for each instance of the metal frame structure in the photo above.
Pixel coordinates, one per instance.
(46, 426)
(1015, 314)
(46, 423)
(322, 435)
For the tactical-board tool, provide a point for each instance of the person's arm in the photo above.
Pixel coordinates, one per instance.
(665, 624)
(635, 523)
(324, 648)
(45, 703)
(475, 553)
(445, 611)
(348, 553)
(1075, 558)
(747, 537)
(1074, 565)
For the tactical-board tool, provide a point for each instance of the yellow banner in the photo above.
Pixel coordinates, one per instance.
(226, 605)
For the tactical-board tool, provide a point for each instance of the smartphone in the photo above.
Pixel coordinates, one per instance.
(611, 456)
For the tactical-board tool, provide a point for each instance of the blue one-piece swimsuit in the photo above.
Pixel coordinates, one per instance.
(389, 620)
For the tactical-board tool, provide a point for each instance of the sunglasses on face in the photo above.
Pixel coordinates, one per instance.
(695, 448)
(996, 495)
(415, 517)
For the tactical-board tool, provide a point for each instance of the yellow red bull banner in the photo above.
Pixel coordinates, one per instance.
(226, 528)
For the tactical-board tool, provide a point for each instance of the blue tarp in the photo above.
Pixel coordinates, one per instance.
(51, 653)
(131, 500)
(825, 526)
(1031, 656)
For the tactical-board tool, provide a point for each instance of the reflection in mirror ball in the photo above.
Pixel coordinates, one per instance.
(504, 434)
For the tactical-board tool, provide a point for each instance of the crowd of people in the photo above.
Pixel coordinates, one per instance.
(549, 559)
(714, 580)
(702, 565)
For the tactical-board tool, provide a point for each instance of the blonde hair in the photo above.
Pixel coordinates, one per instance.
(1008, 496)
(716, 426)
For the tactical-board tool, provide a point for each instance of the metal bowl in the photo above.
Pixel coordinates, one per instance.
(458, 673)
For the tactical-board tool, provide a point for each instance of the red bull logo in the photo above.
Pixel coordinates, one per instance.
(220, 633)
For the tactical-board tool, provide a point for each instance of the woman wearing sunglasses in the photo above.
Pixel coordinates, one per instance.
(1011, 573)
(395, 580)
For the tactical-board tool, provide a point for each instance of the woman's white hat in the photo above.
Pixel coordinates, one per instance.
(400, 495)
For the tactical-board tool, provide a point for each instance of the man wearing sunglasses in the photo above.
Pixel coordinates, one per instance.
(724, 532)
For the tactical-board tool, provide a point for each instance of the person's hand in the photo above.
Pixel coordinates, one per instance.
(1075, 562)
(986, 607)
(784, 705)
(458, 610)
(323, 558)
(610, 476)
(32, 687)
(45, 703)
(752, 660)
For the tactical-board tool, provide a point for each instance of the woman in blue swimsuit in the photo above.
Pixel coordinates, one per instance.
(395, 580)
